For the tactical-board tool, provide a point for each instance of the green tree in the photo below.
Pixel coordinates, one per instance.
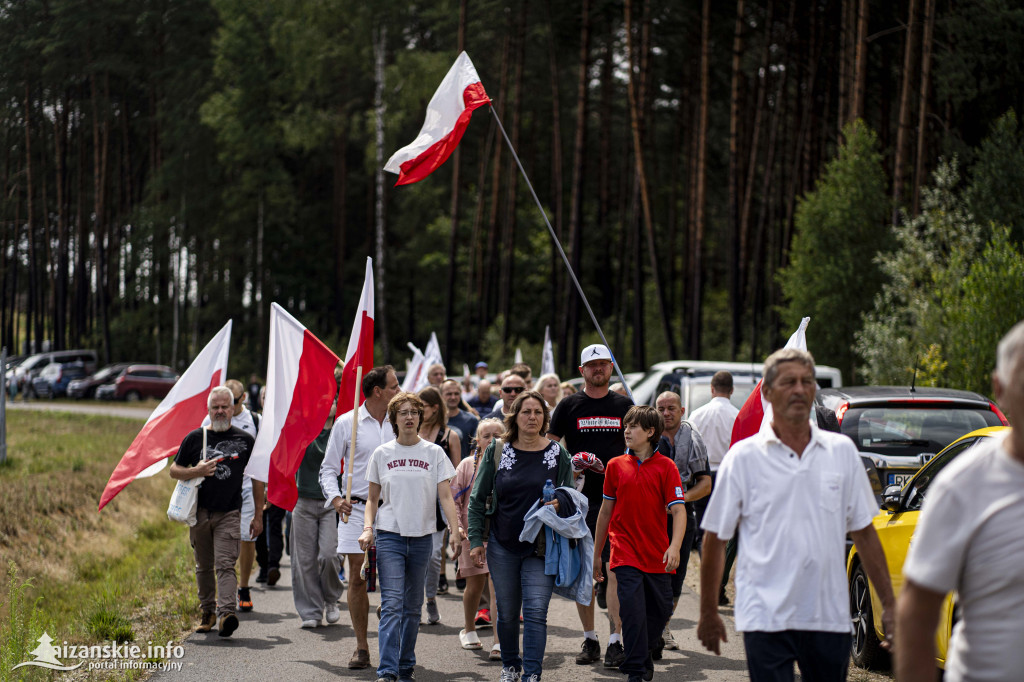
(996, 190)
(840, 226)
(982, 309)
(923, 273)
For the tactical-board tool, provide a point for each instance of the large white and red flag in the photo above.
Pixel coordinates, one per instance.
(178, 413)
(360, 347)
(757, 409)
(448, 114)
(300, 390)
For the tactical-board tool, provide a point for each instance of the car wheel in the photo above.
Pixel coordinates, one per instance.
(133, 396)
(867, 650)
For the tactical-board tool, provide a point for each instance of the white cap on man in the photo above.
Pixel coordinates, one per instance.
(595, 351)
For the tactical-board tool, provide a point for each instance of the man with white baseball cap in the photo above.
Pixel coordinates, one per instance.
(591, 423)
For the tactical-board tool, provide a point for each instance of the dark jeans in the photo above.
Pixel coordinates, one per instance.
(699, 507)
(270, 543)
(731, 549)
(679, 577)
(645, 605)
(822, 656)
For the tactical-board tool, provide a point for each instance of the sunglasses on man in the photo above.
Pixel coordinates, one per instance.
(514, 390)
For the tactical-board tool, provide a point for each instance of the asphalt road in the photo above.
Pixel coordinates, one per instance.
(270, 645)
(111, 410)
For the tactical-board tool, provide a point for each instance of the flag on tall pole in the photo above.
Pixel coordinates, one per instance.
(176, 415)
(300, 390)
(547, 357)
(757, 409)
(417, 368)
(448, 114)
(360, 346)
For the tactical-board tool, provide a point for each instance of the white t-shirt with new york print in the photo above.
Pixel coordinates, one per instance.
(408, 478)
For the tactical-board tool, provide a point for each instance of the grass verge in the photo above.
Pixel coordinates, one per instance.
(81, 576)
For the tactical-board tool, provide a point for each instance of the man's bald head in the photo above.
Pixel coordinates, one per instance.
(670, 407)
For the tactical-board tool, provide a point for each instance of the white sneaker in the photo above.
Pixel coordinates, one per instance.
(532, 678)
(333, 613)
(469, 640)
(670, 641)
(433, 615)
(311, 623)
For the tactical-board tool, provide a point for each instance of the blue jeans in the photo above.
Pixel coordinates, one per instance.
(520, 582)
(401, 567)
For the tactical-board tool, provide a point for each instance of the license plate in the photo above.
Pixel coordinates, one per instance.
(899, 479)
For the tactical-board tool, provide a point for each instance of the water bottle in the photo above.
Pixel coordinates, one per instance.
(371, 569)
(549, 491)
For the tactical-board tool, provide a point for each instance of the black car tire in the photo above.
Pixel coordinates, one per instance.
(867, 651)
(133, 396)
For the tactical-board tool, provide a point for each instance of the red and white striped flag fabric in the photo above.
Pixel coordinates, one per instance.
(756, 409)
(300, 390)
(360, 346)
(178, 413)
(448, 114)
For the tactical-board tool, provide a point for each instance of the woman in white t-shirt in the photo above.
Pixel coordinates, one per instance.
(409, 475)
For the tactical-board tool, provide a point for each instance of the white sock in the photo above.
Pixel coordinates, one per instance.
(614, 638)
(591, 634)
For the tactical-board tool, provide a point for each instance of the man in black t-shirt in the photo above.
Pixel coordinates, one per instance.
(591, 421)
(216, 535)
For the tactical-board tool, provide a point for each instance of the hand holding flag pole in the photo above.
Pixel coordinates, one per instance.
(352, 444)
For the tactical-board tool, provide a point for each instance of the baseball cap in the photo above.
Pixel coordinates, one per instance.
(595, 351)
(480, 364)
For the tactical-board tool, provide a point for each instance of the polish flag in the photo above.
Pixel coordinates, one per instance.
(756, 410)
(447, 117)
(360, 347)
(176, 415)
(300, 390)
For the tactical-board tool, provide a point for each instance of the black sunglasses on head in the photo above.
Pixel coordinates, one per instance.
(513, 389)
(239, 399)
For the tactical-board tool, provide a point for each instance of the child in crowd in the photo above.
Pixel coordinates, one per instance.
(638, 486)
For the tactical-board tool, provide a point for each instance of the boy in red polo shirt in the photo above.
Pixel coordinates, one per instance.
(638, 486)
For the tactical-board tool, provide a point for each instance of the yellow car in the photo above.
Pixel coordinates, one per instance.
(895, 526)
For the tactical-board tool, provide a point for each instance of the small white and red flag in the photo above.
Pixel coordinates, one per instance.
(176, 415)
(360, 346)
(448, 114)
(300, 390)
(757, 409)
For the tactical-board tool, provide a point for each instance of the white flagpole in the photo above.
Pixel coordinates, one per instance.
(593, 318)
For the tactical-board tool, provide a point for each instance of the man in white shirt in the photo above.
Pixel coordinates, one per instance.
(794, 492)
(380, 385)
(714, 420)
(969, 539)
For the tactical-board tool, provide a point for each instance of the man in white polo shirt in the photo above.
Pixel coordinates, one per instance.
(793, 492)
(969, 539)
(379, 386)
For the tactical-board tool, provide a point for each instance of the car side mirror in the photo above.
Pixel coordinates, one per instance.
(891, 498)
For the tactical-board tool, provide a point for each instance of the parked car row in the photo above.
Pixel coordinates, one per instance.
(73, 374)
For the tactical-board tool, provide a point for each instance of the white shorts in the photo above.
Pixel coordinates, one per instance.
(248, 512)
(348, 533)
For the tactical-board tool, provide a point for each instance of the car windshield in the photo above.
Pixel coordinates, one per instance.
(911, 429)
(700, 395)
(107, 372)
(919, 486)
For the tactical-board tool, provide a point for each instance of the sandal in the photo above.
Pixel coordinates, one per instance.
(469, 640)
(495, 654)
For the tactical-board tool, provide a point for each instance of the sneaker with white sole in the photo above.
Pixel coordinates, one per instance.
(310, 623)
(333, 613)
(509, 675)
(433, 615)
(670, 641)
(469, 640)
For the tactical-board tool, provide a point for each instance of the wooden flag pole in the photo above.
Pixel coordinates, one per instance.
(352, 444)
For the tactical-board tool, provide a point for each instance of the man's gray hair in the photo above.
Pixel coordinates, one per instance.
(771, 365)
(220, 389)
(1009, 352)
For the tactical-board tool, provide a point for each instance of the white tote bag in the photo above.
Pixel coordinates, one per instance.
(185, 498)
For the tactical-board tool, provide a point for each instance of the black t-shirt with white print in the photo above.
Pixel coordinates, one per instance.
(592, 425)
(232, 449)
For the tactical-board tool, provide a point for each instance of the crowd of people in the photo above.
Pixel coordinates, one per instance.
(545, 490)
